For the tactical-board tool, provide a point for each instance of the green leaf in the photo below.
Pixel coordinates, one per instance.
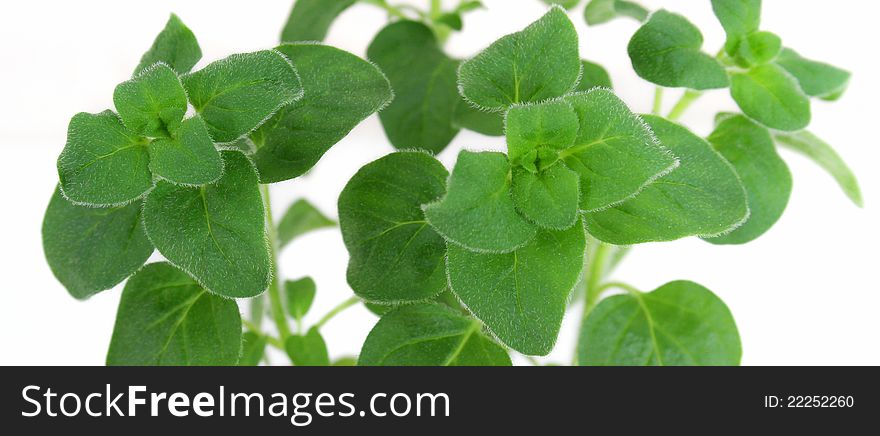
(593, 76)
(253, 347)
(515, 69)
(395, 255)
(536, 130)
(759, 48)
(189, 158)
(216, 233)
(237, 94)
(667, 51)
(424, 82)
(176, 46)
(817, 79)
(549, 198)
(615, 153)
(521, 296)
(343, 90)
(603, 11)
(771, 96)
(765, 176)
(301, 218)
(823, 155)
(307, 350)
(451, 20)
(345, 361)
(429, 335)
(446, 298)
(469, 5)
(166, 318)
(103, 163)
(477, 211)
(567, 4)
(680, 323)
(90, 250)
(300, 294)
(310, 20)
(471, 118)
(703, 197)
(739, 18)
(153, 103)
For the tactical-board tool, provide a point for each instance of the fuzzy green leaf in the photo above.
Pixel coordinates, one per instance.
(567, 4)
(471, 118)
(166, 318)
(549, 198)
(540, 130)
(667, 51)
(478, 211)
(237, 94)
(90, 250)
(446, 298)
(176, 46)
(521, 296)
(343, 90)
(301, 218)
(300, 294)
(216, 233)
(759, 48)
(395, 255)
(817, 79)
(189, 158)
(424, 81)
(615, 153)
(823, 155)
(103, 163)
(253, 348)
(515, 69)
(603, 11)
(771, 96)
(593, 76)
(765, 176)
(310, 20)
(153, 103)
(703, 197)
(307, 350)
(451, 20)
(429, 335)
(680, 323)
(738, 18)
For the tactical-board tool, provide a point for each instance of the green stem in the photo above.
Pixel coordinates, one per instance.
(689, 97)
(619, 285)
(393, 11)
(596, 267)
(436, 8)
(336, 310)
(658, 101)
(271, 340)
(275, 302)
(595, 273)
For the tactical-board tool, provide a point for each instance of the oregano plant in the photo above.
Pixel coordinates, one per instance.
(181, 167)
(463, 265)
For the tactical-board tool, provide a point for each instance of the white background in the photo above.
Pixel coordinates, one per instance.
(804, 294)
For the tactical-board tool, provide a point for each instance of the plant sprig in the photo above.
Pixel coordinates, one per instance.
(465, 265)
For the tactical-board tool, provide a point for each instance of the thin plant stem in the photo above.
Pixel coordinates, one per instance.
(658, 100)
(271, 340)
(596, 267)
(683, 104)
(276, 306)
(336, 310)
(620, 285)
